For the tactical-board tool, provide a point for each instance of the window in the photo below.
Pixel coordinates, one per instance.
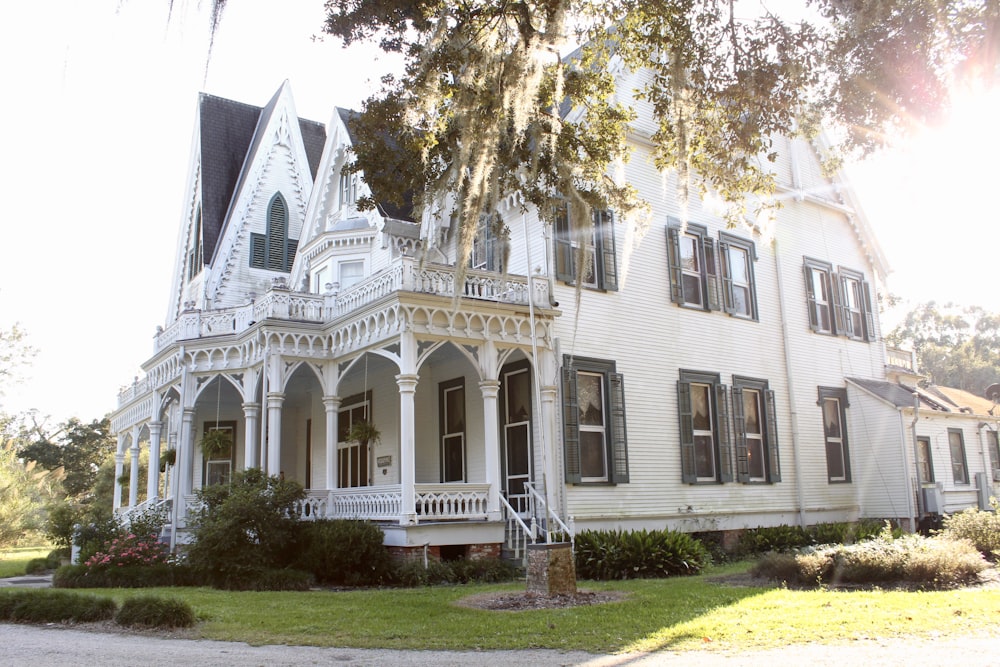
(320, 280)
(351, 273)
(924, 462)
(833, 402)
(993, 444)
(738, 291)
(219, 463)
(348, 188)
(839, 303)
(353, 457)
(600, 269)
(486, 254)
(194, 258)
(274, 251)
(693, 275)
(959, 467)
(755, 430)
(451, 399)
(594, 422)
(706, 453)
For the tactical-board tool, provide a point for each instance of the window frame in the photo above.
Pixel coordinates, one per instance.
(727, 243)
(225, 463)
(813, 303)
(486, 254)
(838, 394)
(993, 447)
(615, 446)
(770, 453)
(444, 419)
(347, 187)
(348, 406)
(925, 460)
(722, 449)
(958, 464)
(707, 273)
(847, 280)
(600, 248)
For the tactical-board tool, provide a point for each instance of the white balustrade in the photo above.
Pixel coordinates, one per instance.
(372, 503)
(451, 501)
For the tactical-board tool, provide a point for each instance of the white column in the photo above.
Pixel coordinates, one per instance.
(119, 468)
(133, 477)
(407, 446)
(332, 405)
(491, 442)
(185, 460)
(251, 413)
(549, 438)
(275, 399)
(153, 483)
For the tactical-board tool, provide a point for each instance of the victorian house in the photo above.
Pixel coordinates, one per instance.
(702, 378)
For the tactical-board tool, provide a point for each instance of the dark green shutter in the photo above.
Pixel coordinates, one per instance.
(811, 299)
(605, 235)
(619, 444)
(689, 473)
(866, 295)
(571, 427)
(674, 261)
(771, 421)
(740, 437)
(277, 232)
(727, 277)
(563, 245)
(711, 265)
(725, 444)
(293, 247)
(258, 251)
(841, 315)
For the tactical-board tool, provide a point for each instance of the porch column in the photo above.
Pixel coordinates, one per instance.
(153, 483)
(133, 477)
(119, 468)
(251, 412)
(491, 442)
(185, 463)
(332, 405)
(549, 421)
(407, 446)
(275, 399)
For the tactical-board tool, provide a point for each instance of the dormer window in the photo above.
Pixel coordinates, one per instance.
(348, 188)
(274, 251)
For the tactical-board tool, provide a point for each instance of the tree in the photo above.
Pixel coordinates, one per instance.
(479, 113)
(25, 489)
(76, 447)
(15, 355)
(957, 346)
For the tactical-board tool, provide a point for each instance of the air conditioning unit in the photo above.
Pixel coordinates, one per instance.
(984, 489)
(996, 474)
(934, 498)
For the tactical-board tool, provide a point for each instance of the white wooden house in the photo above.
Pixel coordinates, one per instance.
(704, 378)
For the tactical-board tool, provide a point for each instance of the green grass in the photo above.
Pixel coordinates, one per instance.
(13, 561)
(686, 613)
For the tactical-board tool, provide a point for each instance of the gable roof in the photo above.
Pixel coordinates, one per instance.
(231, 131)
(932, 397)
(386, 208)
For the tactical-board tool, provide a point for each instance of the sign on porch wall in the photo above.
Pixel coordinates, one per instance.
(384, 461)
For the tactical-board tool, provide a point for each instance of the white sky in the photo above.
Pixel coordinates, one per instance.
(98, 109)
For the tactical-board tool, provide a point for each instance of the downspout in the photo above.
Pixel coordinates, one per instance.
(986, 460)
(793, 412)
(921, 509)
(534, 365)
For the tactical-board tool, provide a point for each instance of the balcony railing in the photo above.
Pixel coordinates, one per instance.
(901, 359)
(433, 502)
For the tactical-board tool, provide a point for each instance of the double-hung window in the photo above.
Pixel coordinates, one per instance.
(353, 458)
(993, 444)
(586, 256)
(274, 251)
(348, 188)
(738, 291)
(755, 431)
(833, 402)
(925, 464)
(451, 396)
(594, 438)
(839, 302)
(693, 266)
(485, 254)
(703, 408)
(959, 466)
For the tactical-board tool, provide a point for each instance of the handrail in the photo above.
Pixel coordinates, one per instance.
(549, 513)
(512, 514)
(517, 540)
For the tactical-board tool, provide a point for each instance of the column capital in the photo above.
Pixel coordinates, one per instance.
(549, 391)
(120, 458)
(407, 382)
(332, 402)
(275, 399)
(490, 388)
(251, 409)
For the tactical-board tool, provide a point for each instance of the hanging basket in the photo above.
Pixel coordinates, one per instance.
(364, 433)
(216, 444)
(168, 457)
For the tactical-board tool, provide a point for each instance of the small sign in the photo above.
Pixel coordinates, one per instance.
(384, 461)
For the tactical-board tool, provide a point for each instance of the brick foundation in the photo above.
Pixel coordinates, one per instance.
(469, 551)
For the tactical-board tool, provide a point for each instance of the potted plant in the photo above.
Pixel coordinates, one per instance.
(216, 444)
(363, 432)
(168, 457)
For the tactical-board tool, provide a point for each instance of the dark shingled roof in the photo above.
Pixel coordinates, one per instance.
(887, 391)
(229, 133)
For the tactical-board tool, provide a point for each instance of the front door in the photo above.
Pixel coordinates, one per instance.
(515, 388)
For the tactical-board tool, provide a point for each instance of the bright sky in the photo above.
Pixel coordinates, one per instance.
(99, 102)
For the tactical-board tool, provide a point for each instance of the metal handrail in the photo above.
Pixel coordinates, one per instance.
(550, 514)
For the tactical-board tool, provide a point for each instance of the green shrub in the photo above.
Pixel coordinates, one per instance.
(411, 573)
(343, 552)
(981, 528)
(757, 541)
(129, 550)
(133, 576)
(944, 562)
(264, 580)
(49, 606)
(36, 565)
(149, 611)
(482, 570)
(244, 528)
(637, 554)
(92, 537)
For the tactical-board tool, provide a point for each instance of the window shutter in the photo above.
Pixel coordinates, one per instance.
(277, 232)
(258, 243)
(688, 471)
(740, 438)
(711, 274)
(727, 280)
(609, 260)
(774, 464)
(869, 315)
(841, 316)
(674, 261)
(811, 298)
(293, 247)
(571, 427)
(725, 444)
(619, 445)
(563, 245)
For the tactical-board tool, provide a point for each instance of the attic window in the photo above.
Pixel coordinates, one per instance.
(194, 256)
(274, 251)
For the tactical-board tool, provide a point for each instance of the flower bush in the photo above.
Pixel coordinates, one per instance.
(129, 550)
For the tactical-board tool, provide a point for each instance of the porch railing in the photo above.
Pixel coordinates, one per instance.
(125, 514)
(451, 501)
(517, 534)
(540, 509)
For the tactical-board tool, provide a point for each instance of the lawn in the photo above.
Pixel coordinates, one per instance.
(677, 614)
(13, 561)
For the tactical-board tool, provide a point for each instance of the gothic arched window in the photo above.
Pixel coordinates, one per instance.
(274, 251)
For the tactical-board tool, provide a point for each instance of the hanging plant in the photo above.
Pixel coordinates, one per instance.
(168, 457)
(364, 433)
(216, 444)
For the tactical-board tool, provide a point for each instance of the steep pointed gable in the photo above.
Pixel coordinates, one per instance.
(386, 208)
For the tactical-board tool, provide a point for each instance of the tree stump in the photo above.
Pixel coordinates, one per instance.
(551, 570)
